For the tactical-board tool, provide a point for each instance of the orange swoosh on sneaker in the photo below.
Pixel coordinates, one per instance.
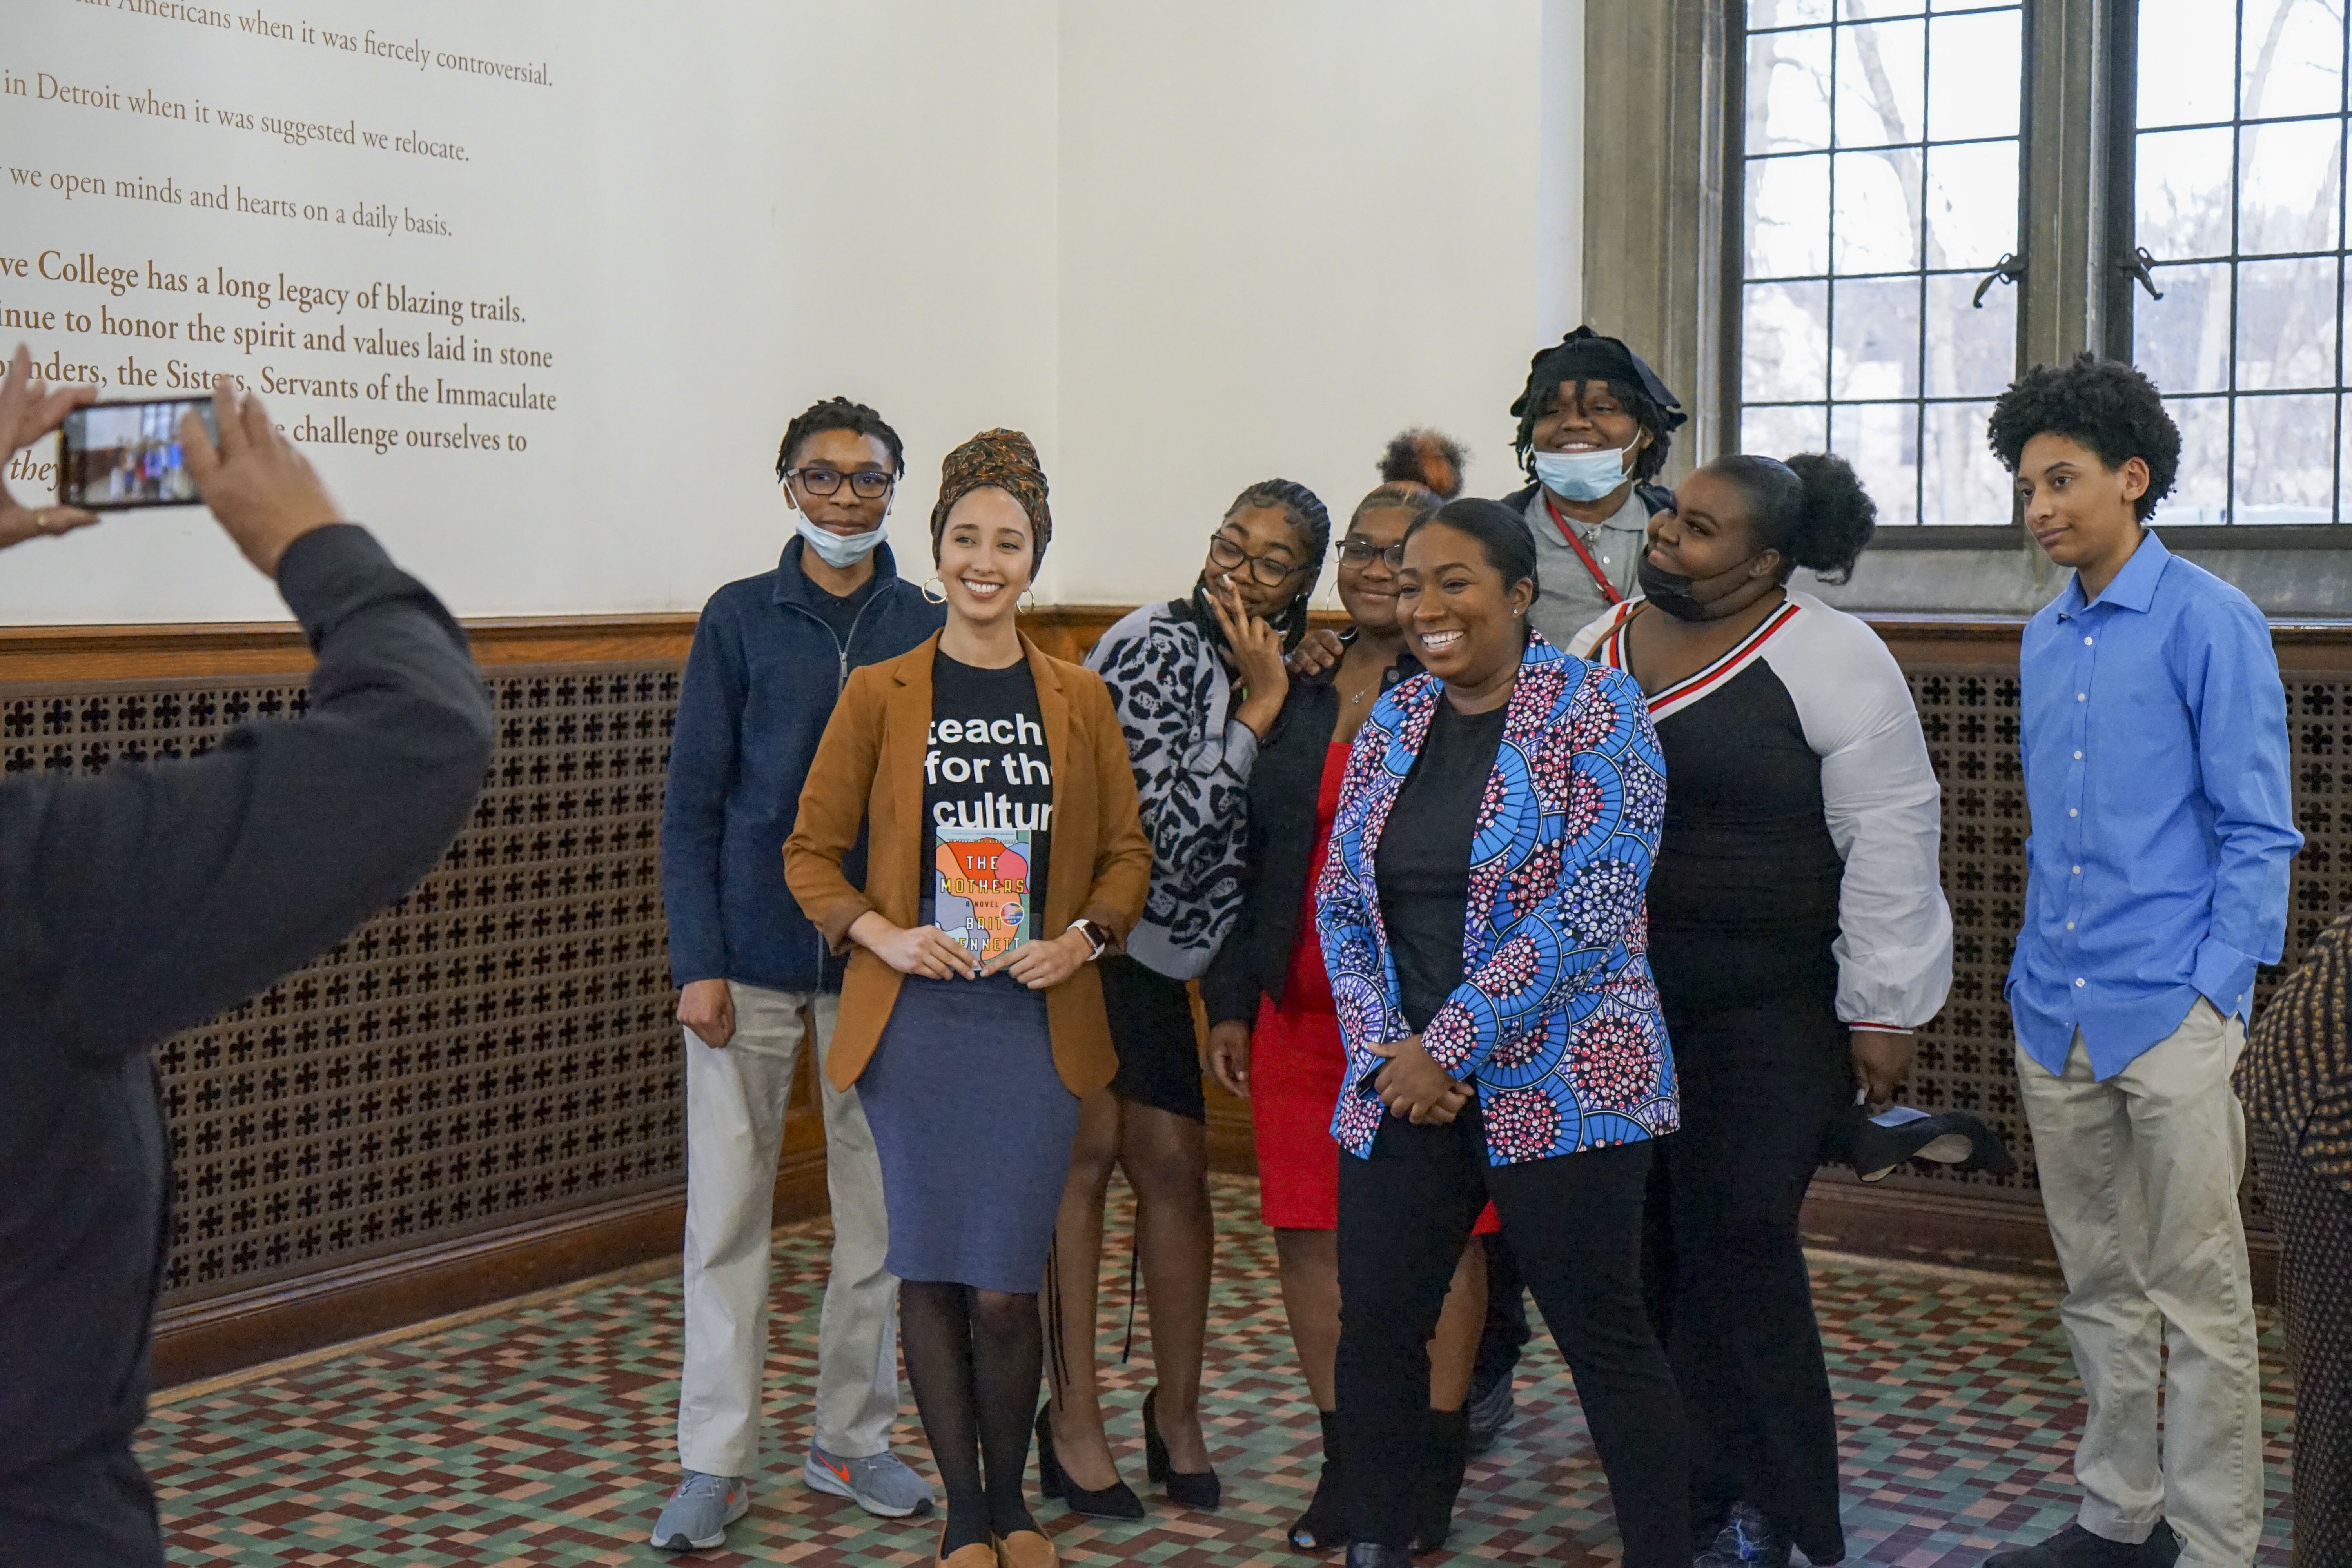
(838, 1470)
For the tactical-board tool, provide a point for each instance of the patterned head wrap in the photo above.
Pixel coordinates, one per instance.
(1005, 460)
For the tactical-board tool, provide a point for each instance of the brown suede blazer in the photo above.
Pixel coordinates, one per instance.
(870, 768)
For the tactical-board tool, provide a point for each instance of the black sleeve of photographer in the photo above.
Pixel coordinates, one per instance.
(146, 900)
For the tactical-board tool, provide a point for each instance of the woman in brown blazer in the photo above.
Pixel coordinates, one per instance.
(1004, 856)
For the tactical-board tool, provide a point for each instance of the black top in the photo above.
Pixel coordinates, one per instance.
(1744, 899)
(988, 802)
(839, 611)
(1283, 786)
(1423, 867)
(146, 900)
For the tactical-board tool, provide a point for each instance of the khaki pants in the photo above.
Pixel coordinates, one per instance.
(734, 1131)
(2140, 1178)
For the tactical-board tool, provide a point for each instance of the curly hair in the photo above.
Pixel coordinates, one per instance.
(1544, 386)
(2106, 405)
(1312, 523)
(1424, 456)
(839, 414)
(1812, 508)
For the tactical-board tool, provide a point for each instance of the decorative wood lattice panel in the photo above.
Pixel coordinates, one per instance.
(1970, 717)
(496, 1045)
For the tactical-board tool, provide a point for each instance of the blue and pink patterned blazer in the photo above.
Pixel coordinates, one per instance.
(1556, 1021)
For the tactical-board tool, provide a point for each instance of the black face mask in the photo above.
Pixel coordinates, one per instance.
(1688, 598)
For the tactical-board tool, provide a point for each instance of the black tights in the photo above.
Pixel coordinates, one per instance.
(974, 1357)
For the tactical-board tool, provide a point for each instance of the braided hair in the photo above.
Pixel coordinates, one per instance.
(839, 414)
(1312, 523)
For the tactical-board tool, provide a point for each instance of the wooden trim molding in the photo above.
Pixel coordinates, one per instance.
(223, 1334)
(49, 654)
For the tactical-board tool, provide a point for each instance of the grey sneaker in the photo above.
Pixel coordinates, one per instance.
(699, 1511)
(879, 1485)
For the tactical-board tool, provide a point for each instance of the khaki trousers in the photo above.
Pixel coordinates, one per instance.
(2139, 1179)
(734, 1131)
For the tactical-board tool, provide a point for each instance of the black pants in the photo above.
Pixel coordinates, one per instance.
(1575, 1222)
(1763, 1092)
(1505, 1334)
(91, 1509)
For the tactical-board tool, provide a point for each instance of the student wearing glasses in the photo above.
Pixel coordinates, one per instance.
(770, 657)
(1197, 682)
(1273, 1028)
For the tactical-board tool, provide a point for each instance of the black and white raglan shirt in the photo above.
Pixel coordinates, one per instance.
(1799, 797)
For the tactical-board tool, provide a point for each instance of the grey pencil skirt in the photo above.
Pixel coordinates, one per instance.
(973, 1127)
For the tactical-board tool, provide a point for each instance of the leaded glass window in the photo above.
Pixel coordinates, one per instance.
(1880, 165)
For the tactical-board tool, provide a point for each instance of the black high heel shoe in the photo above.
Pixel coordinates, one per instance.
(1117, 1500)
(1194, 1489)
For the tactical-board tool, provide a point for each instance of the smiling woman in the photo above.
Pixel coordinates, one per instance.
(1004, 857)
(1481, 918)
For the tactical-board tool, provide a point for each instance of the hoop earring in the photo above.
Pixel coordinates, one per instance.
(1029, 608)
(941, 596)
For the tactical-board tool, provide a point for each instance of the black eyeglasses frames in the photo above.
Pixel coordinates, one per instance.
(866, 484)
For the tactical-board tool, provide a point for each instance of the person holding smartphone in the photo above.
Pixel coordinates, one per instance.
(1004, 859)
(1197, 682)
(143, 901)
(771, 656)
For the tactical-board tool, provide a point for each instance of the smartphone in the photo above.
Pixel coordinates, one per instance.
(115, 455)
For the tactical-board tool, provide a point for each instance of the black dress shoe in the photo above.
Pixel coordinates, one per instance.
(1954, 1137)
(1372, 1555)
(1194, 1489)
(2074, 1547)
(1116, 1500)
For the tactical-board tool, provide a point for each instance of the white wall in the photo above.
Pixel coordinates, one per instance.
(1184, 245)
(1286, 232)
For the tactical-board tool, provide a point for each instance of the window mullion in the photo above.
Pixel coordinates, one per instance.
(2064, 194)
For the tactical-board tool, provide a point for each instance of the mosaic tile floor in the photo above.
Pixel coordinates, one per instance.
(542, 1437)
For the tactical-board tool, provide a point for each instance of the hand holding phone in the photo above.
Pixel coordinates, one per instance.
(258, 484)
(31, 409)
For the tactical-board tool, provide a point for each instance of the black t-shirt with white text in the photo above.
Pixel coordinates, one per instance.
(988, 803)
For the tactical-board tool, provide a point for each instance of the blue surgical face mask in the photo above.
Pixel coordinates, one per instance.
(838, 551)
(1582, 476)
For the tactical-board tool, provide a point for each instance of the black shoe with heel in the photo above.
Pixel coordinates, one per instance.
(1372, 1555)
(1324, 1526)
(1116, 1500)
(1194, 1489)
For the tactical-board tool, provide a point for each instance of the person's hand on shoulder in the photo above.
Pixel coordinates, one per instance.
(30, 410)
(1318, 651)
(261, 487)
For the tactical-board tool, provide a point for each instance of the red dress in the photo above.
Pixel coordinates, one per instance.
(1295, 1064)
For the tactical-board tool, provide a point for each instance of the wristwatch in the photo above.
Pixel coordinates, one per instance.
(1097, 938)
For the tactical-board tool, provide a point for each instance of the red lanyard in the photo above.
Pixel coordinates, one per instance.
(1600, 578)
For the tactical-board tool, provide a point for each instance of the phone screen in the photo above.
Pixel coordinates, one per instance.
(112, 456)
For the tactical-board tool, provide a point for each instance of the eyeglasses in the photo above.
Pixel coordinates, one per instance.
(1363, 553)
(1269, 571)
(866, 484)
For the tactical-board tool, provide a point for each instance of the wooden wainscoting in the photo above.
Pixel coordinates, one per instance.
(477, 1095)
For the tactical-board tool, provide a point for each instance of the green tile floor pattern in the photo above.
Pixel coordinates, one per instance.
(543, 1435)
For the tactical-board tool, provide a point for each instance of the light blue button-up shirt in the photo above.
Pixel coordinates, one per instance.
(2154, 732)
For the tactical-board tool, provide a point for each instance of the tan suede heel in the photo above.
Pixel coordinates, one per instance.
(1026, 1549)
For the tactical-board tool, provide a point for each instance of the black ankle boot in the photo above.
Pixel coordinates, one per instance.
(1372, 1555)
(1445, 1456)
(1324, 1526)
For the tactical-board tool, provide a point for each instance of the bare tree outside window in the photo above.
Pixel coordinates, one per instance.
(2239, 158)
(1880, 157)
